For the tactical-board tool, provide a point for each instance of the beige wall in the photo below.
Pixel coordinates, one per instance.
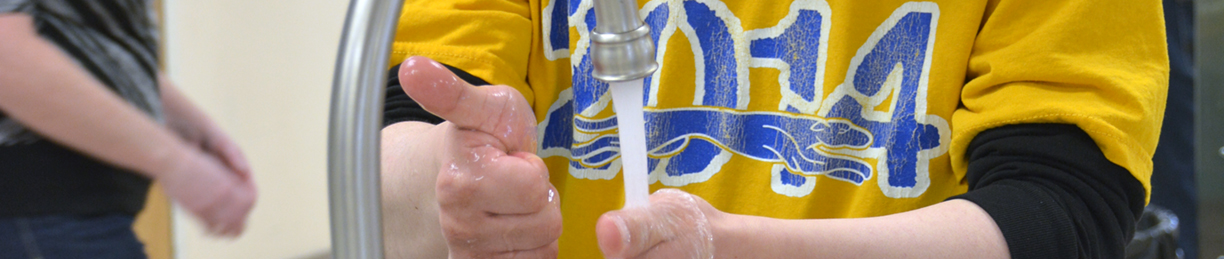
(263, 70)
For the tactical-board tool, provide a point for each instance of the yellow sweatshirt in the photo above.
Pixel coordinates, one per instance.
(810, 108)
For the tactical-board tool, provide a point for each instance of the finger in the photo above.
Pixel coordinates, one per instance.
(527, 232)
(228, 214)
(497, 109)
(225, 230)
(508, 185)
(547, 251)
(544, 225)
(613, 235)
(628, 233)
(485, 179)
(489, 234)
(516, 185)
(222, 225)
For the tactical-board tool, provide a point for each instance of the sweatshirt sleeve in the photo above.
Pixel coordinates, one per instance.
(1099, 66)
(1052, 192)
(490, 39)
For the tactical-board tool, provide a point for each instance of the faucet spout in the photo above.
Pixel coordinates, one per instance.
(621, 49)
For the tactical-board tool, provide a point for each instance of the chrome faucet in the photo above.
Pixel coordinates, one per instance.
(621, 49)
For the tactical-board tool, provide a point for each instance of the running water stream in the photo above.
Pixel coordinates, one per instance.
(627, 101)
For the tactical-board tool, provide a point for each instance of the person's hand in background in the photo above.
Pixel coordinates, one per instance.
(211, 191)
(492, 194)
(214, 180)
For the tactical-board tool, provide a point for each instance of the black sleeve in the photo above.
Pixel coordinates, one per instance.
(1052, 192)
(399, 107)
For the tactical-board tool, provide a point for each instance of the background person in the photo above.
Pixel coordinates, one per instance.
(88, 121)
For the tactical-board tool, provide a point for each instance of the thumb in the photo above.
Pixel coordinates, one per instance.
(672, 221)
(496, 109)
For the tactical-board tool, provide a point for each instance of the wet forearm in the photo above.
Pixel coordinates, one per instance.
(952, 229)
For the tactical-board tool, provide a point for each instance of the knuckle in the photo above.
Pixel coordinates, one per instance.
(504, 91)
(535, 195)
(457, 233)
(455, 188)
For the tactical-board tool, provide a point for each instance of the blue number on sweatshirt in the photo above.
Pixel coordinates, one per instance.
(689, 145)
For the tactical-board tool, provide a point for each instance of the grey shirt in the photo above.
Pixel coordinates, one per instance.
(115, 40)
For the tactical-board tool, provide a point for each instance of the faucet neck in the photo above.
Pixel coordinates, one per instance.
(616, 16)
(621, 48)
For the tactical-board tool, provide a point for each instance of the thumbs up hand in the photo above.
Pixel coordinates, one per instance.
(493, 194)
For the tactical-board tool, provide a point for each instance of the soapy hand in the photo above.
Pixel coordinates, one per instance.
(675, 225)
(493, 193)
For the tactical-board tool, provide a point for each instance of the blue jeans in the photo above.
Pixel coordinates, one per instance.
(54, 237)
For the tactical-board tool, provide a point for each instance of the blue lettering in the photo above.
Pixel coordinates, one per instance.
(799, 47)
(689, 145)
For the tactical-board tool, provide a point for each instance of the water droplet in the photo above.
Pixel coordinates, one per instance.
(476, 157)
(507, 132)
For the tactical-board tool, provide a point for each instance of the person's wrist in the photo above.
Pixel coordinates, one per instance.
(171, 160)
